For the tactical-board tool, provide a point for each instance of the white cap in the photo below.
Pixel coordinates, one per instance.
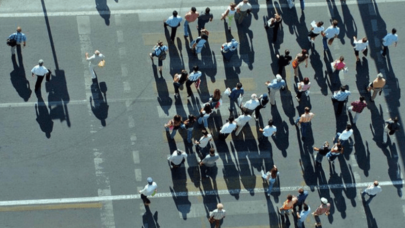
(380, 75)
(278, 77)
(324, 200)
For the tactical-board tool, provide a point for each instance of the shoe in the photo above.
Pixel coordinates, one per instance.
(185, 36)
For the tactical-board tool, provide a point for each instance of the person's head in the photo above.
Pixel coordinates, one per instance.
(253, 96)
(395, 119)
(97, 52)
(204, 132)
(334, 23)
(265, 97)
(270, 123)
(193, 9)
(394, 30)
(207, 108)
(339, 145)
(231, 119)
(343, 88)
(348, 127)
(273, 172)
(192, 117)
(376, 183)
(150, 180)
(324, 200)
(289, 197)
(320, 23)
(326, 144)
(19, 29)
(238, 85)
(217, 93)
(178, 152)
(175, 13)
(279, 78)
(245, 111)
(212, 151)
(306, 81)
(287, 52)
(301, 190)
(362, 98)
(341, 58)
(364, 39)
(41, 62)
(307, 109)
(177, 118)
(380, 76)
(245, 1)
(207, 10)
(232, 5)
(160, 43)
(184, 74)
(306, 208)
(304, 51)
(195, 68)
(277, 17)
(220, 206)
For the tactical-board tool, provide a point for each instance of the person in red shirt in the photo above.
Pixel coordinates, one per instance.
(357, 107)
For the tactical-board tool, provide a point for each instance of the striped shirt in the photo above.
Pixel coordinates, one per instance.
(19, 37)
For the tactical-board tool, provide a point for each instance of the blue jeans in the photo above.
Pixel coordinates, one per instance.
(189, 132)
(342, 142)
(185, 27)
(325, 43)
(304, 127)
(302, 3)
(205, 120)
(174, 131)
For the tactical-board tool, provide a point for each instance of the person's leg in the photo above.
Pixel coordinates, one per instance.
(365, 52)
(185, 26)
(302, 3)
(375, 92)
(238, 130)
(270, 189)
(336, 138)
(340, 107)
(385, 135)
(173, 35)
(189, 134)
(296, 71)
(38, 83)
(370, 198)
(275, 33)
(174, 131)
(176, 87)
(205, 120)
(273, 96)
(319, 158)
(304, 127)
(325, 43)
(188, 86)
(356, 53)
(200, 120)
(317, 220)
(242, 16)
(91, 69)
(13, 49)
(356, 115)
(217, 223)
(230, 19)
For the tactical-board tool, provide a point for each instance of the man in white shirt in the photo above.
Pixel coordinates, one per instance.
(331, 32)
(360, 45)
(192, 77)
(316, 29)
(149, 190)
(251, 104)
(242, 120)
(344, 136)
(173, 22)
(227, 128)
(208, 162)
(203, 142)
(40, 71)
(218, 214)
(268, 131)
(242, 9)
(94, 60)
(389, 39)
(303, 215)
(371, 191)
(177, 158)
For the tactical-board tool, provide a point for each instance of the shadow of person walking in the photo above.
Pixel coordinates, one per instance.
(103, 10)
(99, 99)
(18, 77)
(43, 117)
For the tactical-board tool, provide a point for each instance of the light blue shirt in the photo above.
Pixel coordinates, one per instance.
(276, 85)
(341, 96)
(159, 49)
(19, 37)
(304, 214)
(174, 21)
(231, 46)
(389, 39)
(194, 76)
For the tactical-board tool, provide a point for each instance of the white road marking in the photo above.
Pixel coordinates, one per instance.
(120, 36)
(138, 175)
(131, 122)
(135, 156)
(191, 193)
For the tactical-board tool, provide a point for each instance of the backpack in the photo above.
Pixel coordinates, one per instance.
(11, 42)
(162, 55)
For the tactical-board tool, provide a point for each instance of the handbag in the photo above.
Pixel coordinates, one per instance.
(227, 92)
(162, 55)
(295, 63)
(223, 48)
(11, 42)
(330, 41)
(211, 219)
(101, 64)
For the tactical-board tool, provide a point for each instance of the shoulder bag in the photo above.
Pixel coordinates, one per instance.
(162, 55)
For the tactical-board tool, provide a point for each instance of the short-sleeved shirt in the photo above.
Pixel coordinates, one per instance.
(331, 32)
(358, 106)
(174, 21)
(218, 214)
(269, 130)
(324, 150)
(231, 12)
(243, 6)
(228, 128)
(284, 60)
(236, 93)
(359, 45)
(373, 190)
(160, 49)
(316, 29)
(19, 37)
(210, 161)
(389, 39)
(305, 87)
(345, 135)
(304, 214)
(95, 59)
(204, 18)
(251, 104)
(176, 158)
(276, 84)
(149, 189)
(341, 95)
(39, 70)
(301, 57)
(205, 140)
(301, 197)
(194, 76)
(322, 209)
(242, 120)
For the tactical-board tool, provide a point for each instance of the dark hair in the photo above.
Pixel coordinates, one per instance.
(394, 30)
(343, 88)
(304, 51)
(270, 123)
(364, 39)
(204, 132)
(238, 85)
(195, 68)
(191, 117)
(289, 197)
(395, 119)
(320, 22)
(306, 207)
(207, 10)
(212, 150)
(348, 126)
(306, 80)
(183, 76)
(217, 94)
(362, 98)
(341, 58)
(307, 109)
(335, 23)
(207, 108)
(245, 111)
(193, 9)
(287, 52)
(177, 118)
(273, 172)
(231, 118)
(175, 13)
(300, 190)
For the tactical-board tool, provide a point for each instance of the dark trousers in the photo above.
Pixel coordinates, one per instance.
(384, 49)
(205, 171)
(223, 136)
(275, 32)
(145, 199)
(257, 111)
(188, 86)
(176, 87)
(370, 196)
(281, 68)
(173, 33)
(39, 82)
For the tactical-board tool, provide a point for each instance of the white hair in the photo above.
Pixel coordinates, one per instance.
(254, 96)
(278, 77)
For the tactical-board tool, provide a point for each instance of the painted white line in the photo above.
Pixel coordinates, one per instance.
(124, 70)
(131, 122)
(120, 36)
(167, 11)
(196, 193)
(127, 87)
(135, 156)
(118, 21)
(138, 175)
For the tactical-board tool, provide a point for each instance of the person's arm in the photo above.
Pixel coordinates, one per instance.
(87, 56)
(225, 14)
(306, 62)
(261, 130)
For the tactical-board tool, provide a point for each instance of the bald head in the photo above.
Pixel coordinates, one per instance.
(19, 29)
(375, 183)
(97, 52)
(220, 206)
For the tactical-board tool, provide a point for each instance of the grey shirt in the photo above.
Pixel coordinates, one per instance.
(210, 161)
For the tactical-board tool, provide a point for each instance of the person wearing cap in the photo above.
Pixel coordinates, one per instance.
(377, 85)
(94, 60)
(173, 22)
(19, 38)
(263, 100)
(217, 215)
(242, 120)
(40, 71)
(324, 208)
(177, 158)
(149, 190)
(208, 163)
(275, 86)
(191, 16)
(371, 191)
(251, 104)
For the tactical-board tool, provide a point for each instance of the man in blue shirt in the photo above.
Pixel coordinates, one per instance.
(341, 96)
(233, 97)
(173, 22)
(302, 195)
(274, 87)
(303, 215)
(19, 37)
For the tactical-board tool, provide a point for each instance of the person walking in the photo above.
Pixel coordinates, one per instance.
(242, 120)
(178, 81)
(275, 86)
(337, 66)
(203, 19)
(193, 77)
(205, 113)
(251, 104)
(377, 85)
(190, 17)
(235, 96)
(337, 149)
(242, 9)
(173, 124)
(316, 29)
(390, 128)
(330, 34)
(371, 191)
(305, 121)
(299, 58)
(202, 144)
(215, 100)
(301, 197)
(271, 177)
(189, 126)
(389, 39)
(322, 151)
(268, 131)
(17, 39)
(229, 14)
(159, 51)
(197, 44)
(344, 135)
(40, 71)
(301, 216)
(229, 49)
(341, 96)
(208, 163)
(263, 100)
(94, 61)
(217, 215)
(274, 23)
(303, 87)
(283, 60)
(177, 158)
(173, 22)
(360, 45)
(227, 128)
(150, 189)
(323, 209)
(287, 205)
(357, 107)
